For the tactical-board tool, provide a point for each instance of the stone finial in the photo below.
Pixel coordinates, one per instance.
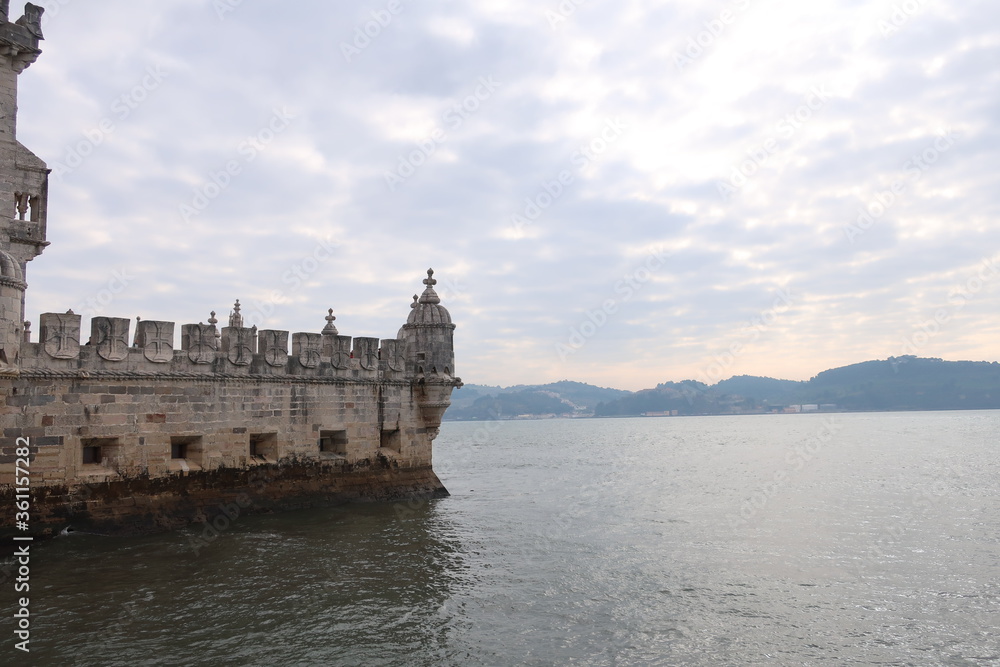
(416, 300)
(213, 321)
(429, 295)
(330, 329)
(27, 331)
(70, 312)
(235, 319)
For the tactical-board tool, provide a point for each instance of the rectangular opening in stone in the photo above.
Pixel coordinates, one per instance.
(390, 440)
(91, 454)
(186, 447)
(333, 442)
(100, 451)
(264, 446)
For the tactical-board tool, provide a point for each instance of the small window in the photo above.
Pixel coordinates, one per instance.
(100, 451)
(264, 446)
(333, 442)
(390, 440)
(91, 454)
(186, 447)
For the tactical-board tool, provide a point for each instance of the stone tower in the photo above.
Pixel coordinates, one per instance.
(24, 188)
(430, 352)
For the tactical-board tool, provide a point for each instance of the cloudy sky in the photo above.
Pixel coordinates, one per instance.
(621, 193)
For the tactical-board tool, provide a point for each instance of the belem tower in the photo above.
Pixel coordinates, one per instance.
(127, 432)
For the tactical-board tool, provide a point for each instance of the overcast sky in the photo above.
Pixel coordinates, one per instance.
(621, 193)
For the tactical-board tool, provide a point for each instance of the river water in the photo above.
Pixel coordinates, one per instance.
(753, 540)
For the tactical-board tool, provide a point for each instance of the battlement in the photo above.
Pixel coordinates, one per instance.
(19, 39)
(206, 351)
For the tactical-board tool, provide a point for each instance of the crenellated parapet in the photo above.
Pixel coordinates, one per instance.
(150, 349)
(19, 39)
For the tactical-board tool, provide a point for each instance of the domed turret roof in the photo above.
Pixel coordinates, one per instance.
(10, 268)
(427, 308)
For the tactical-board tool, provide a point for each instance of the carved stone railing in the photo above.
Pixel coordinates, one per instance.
(207, 350)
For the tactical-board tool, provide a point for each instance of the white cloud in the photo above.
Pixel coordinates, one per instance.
(515, 296)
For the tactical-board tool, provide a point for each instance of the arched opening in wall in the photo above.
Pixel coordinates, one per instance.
(34, 208)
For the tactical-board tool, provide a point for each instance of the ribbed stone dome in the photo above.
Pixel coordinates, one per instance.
(427, 308)
(10, 268)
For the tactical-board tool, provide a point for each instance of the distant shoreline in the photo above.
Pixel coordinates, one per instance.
(717, 414)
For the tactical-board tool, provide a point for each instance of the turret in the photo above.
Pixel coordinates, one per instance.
(430, 352)
(11, 302)
(429, 336)
(23, 182)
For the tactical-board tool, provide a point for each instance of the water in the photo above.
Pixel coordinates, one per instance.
(764, 540)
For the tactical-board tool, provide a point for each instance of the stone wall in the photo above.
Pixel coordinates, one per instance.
(197, 435)
(136, 421)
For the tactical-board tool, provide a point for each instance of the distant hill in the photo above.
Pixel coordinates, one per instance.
(564, 398)
(765, 389)
(909, 383)
(897, 383)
